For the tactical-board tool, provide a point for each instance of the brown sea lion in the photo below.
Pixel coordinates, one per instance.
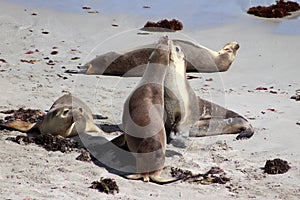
(133, 62)
(142, 119)
(186, 114)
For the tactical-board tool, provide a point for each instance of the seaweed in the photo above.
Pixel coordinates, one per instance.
(163, 26)
(85, 156)
(48, 141)
(106, 185)
(276, 166)
(214, 175)
(279, 10)
(296, 97)
(27, 115)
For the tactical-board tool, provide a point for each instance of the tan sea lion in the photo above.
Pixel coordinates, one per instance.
(67, 117)
(133, 62)
(142, 119)
(186, 114)
(190, 115)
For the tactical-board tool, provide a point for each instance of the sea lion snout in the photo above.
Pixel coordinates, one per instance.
(164, 40)
(176, 53)
(237, 46)
(77, 113)
(231, 47)
(164, 43)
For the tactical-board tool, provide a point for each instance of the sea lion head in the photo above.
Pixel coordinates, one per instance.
(62, 121)
(177, 60)
(176, 54)
(231, 47)
(159, 53)
(227, 55)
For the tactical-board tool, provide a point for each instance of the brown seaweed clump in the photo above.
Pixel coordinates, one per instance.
(48, 141)
(297, 96)
(276, 166)
(85, 156)
(214, 175)
(27, 115)
(107, 185)
(279, 10)
(163, 26)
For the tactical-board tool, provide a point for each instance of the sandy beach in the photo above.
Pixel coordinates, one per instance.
(39, 43)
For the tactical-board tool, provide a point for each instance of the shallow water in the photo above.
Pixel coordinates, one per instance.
(195, 14)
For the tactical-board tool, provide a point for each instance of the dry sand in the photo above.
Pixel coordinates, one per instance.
(267, 58)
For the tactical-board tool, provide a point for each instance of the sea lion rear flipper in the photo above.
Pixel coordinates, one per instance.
(218, 121)
(99, 116)
(72, 71)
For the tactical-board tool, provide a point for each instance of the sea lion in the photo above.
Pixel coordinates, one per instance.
(142, 119)
(186, 114)
(68, 116)
(133, 62)
(190, 115)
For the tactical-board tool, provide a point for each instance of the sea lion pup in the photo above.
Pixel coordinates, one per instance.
(190, 115)
(67, 117)
(133, 62)
(142, 119)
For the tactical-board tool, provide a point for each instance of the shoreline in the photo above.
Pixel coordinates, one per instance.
(201, 15)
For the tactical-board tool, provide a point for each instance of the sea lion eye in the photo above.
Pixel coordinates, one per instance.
(177, 49)
(65, 112)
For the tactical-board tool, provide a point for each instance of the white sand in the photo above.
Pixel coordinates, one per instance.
(268, 57)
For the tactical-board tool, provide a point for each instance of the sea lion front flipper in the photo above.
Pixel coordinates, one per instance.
(134, 176)
(119, 141)
(19, 125)
(90, 126)
(161, 180)
(153, 178)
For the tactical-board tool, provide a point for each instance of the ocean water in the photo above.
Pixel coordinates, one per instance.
(194, 14)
